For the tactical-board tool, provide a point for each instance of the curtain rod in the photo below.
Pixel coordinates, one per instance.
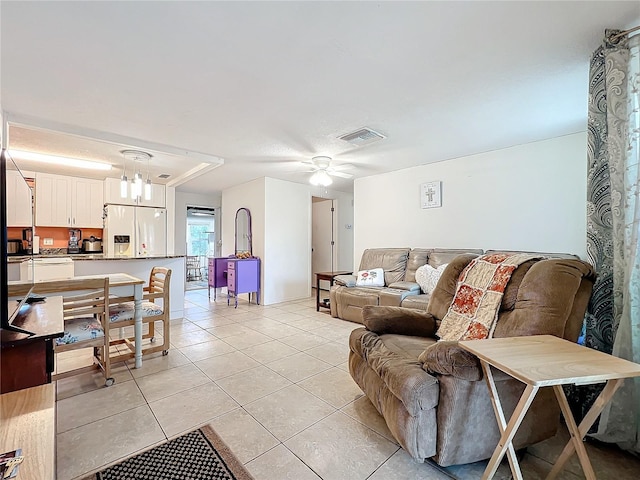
(622, 34)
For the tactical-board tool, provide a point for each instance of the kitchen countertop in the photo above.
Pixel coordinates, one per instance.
(82, 256)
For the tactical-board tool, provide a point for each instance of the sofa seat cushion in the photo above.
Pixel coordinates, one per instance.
(121, 312)
(79, 330)
(409, 286)
(394, 359)
(419, 302)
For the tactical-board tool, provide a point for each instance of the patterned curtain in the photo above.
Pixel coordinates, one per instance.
(613, 224)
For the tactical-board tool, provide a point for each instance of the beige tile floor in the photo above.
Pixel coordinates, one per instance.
(273, 381)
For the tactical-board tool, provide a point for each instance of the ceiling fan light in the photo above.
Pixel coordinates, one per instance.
(320, 178)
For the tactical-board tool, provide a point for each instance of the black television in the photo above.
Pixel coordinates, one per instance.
(10, 306)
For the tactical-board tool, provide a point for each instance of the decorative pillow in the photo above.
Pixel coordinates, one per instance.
(346, 280)
(427, 277)
(370, 278)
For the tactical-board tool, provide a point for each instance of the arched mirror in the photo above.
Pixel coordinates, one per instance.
(243, 232)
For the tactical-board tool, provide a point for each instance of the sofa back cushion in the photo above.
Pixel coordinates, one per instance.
(543, 297)
(443, 294)
(549, 298)
(392, 260)
(441, 256)
(417, 258)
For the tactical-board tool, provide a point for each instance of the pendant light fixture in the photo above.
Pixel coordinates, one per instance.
(147, 184)
(124, 183)
(136, 181)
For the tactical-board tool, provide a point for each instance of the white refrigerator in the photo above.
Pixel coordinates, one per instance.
(135, 231)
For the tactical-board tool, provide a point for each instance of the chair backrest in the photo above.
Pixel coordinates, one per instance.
(192, 261)
(543, 297)
(159, 286)
(88, 304)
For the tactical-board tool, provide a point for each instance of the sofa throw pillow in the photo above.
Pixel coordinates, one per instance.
(370, 278)
(427, 277)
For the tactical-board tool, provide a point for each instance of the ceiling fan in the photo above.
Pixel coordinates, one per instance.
(323, 171)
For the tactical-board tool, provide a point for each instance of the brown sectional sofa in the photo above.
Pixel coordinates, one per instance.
(432, 394)
(401, 289)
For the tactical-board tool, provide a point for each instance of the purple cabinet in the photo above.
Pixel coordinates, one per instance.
(243, 276)
(217, 274)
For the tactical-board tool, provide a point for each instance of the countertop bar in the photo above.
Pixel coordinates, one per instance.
(83, 256)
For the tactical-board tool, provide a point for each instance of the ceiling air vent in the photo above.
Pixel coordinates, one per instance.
(164, 175)
(362, 136)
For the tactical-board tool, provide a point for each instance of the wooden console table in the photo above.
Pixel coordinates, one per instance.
(27, 421)
(543, 361)
(329, 276)
(27, 361)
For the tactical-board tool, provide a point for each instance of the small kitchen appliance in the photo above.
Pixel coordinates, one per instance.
(74, 240)
(14, 247)
(27, 235)
(92, 245)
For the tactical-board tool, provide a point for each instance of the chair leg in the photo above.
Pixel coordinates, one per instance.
(152, 330)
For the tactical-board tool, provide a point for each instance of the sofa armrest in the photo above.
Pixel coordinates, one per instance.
(398, 320)
(345, 280)
(448, 358)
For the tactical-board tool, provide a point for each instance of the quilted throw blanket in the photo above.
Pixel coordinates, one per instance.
(473, 312)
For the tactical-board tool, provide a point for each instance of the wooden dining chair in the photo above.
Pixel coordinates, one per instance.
(155, 308)
(86, 324)
(194, 268)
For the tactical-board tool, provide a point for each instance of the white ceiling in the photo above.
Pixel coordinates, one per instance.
(264, 85)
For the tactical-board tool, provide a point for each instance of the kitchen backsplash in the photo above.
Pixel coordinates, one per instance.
(60, 236)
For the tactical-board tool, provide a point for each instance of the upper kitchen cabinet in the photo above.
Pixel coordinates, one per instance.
(157, 199)
(63, 201)
(112, 195)
(19, 204)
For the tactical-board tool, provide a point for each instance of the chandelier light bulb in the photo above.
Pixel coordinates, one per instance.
(124, 185)
(147, 190)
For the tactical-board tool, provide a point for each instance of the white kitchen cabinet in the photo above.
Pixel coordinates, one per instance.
(87, 203)
(112, 195)
(63, 201)
(19, 203)
(157, 199)
(53, 202)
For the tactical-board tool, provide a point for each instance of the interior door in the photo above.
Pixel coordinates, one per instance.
(323, 257)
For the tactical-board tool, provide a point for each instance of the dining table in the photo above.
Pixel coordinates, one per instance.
(126, 287)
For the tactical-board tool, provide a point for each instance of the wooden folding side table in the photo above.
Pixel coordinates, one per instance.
(543, 361)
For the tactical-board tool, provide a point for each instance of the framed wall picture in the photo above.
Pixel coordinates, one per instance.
(431, 194)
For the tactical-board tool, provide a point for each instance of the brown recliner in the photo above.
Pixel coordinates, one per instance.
(432, 394)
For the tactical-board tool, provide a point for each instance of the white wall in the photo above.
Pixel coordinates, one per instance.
(182, 200)
(528, 197)
(287, 257)
(249, 195)
(281, 228)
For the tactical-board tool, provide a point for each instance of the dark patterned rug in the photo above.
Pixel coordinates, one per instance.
(198, 455)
